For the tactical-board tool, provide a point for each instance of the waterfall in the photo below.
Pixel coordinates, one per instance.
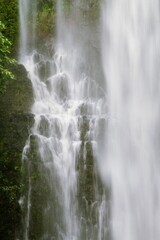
(27, 14)
(63, 197)
(131, 53)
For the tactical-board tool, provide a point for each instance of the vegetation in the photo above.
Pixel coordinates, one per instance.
(15, 100)
(46, 19)
(9, 16)
(8, 40)
(14, 125)
(5, 60)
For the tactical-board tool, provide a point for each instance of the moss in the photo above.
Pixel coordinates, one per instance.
(46, 24)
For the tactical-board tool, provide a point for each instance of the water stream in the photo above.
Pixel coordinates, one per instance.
(131, 57)
(63, 195)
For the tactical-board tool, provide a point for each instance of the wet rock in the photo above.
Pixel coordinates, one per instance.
(44, 126)
(45, 69)
(83, 109)
(59, 84)
(83, 123)
(55, 128)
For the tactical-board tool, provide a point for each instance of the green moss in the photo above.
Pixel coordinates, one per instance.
(46, 23)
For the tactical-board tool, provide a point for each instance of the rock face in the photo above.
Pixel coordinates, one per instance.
(15, 122)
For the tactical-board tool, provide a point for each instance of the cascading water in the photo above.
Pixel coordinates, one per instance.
(131, 53)
(27, 12)
(63, 195)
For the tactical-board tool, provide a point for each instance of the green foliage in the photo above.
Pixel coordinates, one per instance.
(9, 195)
(9, 16)
(5, 60)
(46, 18)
